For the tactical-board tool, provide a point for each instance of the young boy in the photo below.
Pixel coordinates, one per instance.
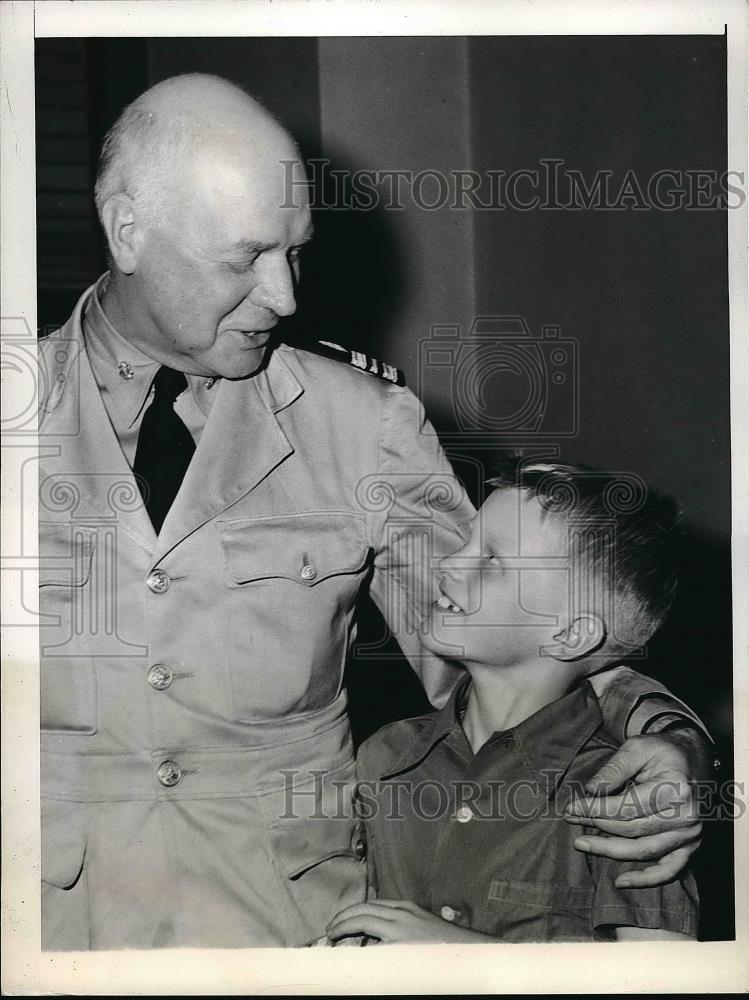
(561, 577)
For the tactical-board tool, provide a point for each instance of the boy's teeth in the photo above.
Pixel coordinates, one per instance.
(447, 605)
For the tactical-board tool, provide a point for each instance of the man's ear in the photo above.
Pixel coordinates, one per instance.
(583, 636)
(122, 231)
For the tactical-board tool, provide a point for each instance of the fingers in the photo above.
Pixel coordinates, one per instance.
(671, 797)
(642, 826)
(393, 904)
(625, 764)
(666, 870)
(646, 756)
(376, 918)
(653, 848)
(361, 918)
(369, 924)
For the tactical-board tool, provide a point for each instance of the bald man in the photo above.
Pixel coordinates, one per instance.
(211, 506)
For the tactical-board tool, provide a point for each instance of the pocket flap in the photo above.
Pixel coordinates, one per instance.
(305, 548)
(65, 554)
(310, 842)
(63, 830)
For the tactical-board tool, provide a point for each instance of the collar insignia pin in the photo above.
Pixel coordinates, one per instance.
(125, 370)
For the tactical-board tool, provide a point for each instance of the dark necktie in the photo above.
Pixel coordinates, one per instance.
(165, 447)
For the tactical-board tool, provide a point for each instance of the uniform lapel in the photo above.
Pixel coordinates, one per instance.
(241, 443)
(91, 468)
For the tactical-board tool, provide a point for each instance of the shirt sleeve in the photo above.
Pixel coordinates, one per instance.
(631, 703)
(423, 513)
(672, 907)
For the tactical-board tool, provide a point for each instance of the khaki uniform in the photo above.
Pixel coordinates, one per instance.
(192, 701)
(197, 764)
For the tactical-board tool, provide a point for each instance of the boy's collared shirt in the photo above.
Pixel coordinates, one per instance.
(481, 839)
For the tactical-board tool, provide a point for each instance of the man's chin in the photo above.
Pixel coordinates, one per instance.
(246, 364)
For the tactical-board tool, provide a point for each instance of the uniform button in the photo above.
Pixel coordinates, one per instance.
(448, 913)
(464, 814)
(158, 581)
(308, 572)
(169, 773)
(160, 676)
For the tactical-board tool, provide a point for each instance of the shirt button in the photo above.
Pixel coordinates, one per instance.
(448, 913)
(464, 814)
(158, 581)
(308, 572)
(169, 773)
(160, 676)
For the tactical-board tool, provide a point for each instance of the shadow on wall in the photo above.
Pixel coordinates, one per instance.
(352, 278)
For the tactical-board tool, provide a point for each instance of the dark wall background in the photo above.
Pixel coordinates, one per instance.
(642, 293)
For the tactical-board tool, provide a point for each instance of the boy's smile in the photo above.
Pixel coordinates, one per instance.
(503, 595)
(443, 601)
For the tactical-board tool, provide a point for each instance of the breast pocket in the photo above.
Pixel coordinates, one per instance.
(539, 911)
(292, 584)
(68, 678)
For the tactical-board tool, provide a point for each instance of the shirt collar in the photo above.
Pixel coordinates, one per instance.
(439, 725)
(549, 739)
(552, 737)
(121, 369)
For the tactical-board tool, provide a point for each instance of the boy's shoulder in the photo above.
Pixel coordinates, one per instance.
(382, 750)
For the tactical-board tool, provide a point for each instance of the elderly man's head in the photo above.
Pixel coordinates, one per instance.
(192, 195)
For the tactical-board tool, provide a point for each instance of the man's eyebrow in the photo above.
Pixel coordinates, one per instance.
(255, 246)
(252, 246)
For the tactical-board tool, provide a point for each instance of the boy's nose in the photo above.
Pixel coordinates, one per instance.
(456, 565)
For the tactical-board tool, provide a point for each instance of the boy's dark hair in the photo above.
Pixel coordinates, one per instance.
(621, 532)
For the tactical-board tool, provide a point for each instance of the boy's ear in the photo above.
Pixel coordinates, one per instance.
(122, 231)
(583, 636)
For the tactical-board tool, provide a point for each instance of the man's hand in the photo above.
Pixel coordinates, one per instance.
(653, 819)
(398, 920)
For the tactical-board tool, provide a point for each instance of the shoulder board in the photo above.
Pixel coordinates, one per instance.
(356, 359)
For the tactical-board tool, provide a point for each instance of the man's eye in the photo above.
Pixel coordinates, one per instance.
(242, 267)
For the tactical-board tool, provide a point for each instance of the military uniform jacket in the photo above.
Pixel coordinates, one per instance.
(196, 754)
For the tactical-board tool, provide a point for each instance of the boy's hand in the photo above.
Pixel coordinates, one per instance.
(398, 920)
(653, 819)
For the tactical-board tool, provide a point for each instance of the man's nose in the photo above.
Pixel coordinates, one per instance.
(275, 290)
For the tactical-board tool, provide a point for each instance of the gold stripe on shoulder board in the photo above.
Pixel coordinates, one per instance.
(356, 359)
